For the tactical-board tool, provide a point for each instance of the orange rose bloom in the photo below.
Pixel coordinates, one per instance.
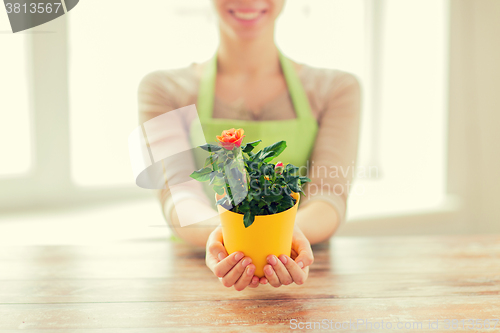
(231, 138)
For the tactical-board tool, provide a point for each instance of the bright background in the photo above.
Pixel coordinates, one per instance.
(69, 102)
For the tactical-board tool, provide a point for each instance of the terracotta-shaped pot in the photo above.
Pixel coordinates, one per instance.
(269, 234)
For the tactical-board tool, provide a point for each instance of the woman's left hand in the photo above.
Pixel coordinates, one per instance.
(285, 270)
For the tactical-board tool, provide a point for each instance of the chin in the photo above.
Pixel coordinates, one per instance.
(248, 34)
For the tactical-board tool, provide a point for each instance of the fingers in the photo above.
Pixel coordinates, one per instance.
(293, 254)
(235, 273)
(215, 249)
(302, 247)
(255, 282)
(283, 271)
(296, 272)
(245, 278)
(280, 270)
(304, 259)
(271, 277)
(225, 265)
(233, 270)
(214, 244)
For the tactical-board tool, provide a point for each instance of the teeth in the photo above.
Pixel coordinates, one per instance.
(246, 16)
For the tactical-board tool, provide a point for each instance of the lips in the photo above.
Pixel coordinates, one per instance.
(247, 15)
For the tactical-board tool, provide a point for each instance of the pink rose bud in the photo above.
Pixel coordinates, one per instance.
(279, 168)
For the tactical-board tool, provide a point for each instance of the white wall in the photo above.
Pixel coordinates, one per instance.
(475, 110)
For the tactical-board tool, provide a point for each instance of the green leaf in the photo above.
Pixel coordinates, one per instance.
(256, 158)
(201, 175)
(277, 148)
(217, 179)
(244, 207)
(291, 169)
(210, 147)
(221, 159)
(209, 161)
(268, 156)
(294, 185)
(273, 208)
(288, 201)
(287, 190)
(248, 219)
(304, 180)
(273, 198)
(267, 169)
(250, 146)
(219, 190)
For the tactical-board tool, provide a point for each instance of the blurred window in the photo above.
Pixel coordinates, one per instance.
(15, 127)
(108, 59)
(409, 124)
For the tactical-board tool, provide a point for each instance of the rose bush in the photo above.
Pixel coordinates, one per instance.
(252, 186)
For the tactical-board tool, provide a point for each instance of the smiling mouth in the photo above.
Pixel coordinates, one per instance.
(247, 16)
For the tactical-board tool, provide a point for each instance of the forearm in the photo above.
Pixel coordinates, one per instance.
(333, 160)
(194, 210)
(318, 220)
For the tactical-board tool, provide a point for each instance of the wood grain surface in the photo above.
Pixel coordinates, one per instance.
(159, 286)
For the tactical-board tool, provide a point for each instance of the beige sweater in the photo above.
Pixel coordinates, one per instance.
(334, 97)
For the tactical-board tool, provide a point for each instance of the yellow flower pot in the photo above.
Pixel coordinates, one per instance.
(269, 234)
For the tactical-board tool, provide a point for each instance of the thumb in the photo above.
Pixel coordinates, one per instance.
(305, 255)
(215, 248)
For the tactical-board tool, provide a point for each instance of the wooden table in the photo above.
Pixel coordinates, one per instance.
(153, 286)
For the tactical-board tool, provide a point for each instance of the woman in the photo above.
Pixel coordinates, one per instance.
(250, 81)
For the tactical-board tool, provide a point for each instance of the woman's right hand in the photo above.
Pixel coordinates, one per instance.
(233, 270)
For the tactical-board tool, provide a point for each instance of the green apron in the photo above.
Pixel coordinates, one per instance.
(299, 133)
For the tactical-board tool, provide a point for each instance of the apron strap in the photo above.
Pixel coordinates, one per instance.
(206, 91)
(295, 89)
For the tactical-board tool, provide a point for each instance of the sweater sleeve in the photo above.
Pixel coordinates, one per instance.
(333, 160)
(160, 92)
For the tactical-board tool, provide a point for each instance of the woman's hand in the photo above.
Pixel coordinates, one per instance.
(286, 270)
(233, 270)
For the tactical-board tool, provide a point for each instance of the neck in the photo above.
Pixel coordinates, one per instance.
(248, 57)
